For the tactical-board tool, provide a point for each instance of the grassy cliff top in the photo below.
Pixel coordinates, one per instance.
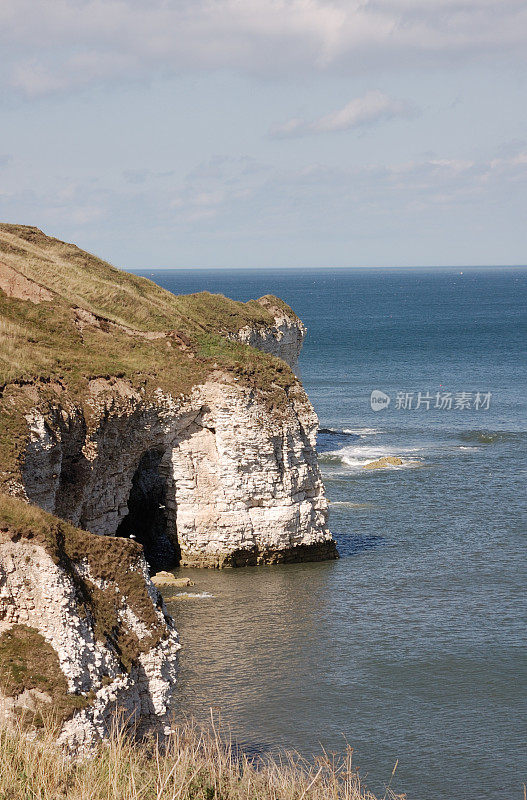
(67, 317)
(76, 278)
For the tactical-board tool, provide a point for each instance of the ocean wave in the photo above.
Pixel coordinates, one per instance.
(362, 431)
(351, 431)
(357, 456)
(336, 432)
(331, 457)
(489, 437)
(189, 595)
(349, 504)
(352, 454)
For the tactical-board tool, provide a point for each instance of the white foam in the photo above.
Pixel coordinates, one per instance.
(351, 431)
(191, 595)
(358, 455)
(363, 431)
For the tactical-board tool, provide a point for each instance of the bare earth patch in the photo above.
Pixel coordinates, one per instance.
(16, 285)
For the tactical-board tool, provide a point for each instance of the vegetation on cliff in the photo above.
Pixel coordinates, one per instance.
(28, 662)
(79, 279)
(81, 344)
(68, 318)
(115, 562)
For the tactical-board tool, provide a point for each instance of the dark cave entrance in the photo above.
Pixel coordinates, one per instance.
(147, 518)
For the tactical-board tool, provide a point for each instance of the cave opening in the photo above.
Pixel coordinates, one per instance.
(147, 520)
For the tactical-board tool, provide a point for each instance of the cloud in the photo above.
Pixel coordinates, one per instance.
(244, 212)
(135, 175)
(374, 106)
(56, 45)
(252, 197)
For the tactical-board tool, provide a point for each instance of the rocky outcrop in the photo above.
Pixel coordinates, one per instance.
(283, 339)
(164, 578)
(87, 603)
(383, 463)
(217, 479)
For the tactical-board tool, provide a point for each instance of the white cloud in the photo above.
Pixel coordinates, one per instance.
(374, 106)
(54, 45)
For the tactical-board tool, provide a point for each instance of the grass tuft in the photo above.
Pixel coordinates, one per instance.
(28, 662)
(197, 765)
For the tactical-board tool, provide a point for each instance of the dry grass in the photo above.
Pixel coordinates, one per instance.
(81, 279)
(42, 341)
(18, 350)
(197, 765)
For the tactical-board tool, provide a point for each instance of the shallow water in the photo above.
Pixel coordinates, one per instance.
(411, 646)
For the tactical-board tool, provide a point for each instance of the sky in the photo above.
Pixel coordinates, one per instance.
(268, 133)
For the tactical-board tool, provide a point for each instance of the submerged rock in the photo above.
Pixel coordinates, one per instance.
(382, 463)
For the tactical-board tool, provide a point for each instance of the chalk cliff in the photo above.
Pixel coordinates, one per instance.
(83, 632)
(283, 338)
(215, 479)
(129, 412)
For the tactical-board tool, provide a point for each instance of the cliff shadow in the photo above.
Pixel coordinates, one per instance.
(147, 520)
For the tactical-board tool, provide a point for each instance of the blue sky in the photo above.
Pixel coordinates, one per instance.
(268, 133)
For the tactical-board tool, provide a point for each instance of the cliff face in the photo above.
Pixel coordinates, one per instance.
(283, 339)
(175, 420)
(215, 480)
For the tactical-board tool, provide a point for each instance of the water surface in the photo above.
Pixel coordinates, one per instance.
(411, 646)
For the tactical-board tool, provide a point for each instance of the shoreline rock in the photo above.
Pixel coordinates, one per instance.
(168, 579)
(150, 431)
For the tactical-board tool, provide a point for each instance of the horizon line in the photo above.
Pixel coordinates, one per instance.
(472, 267)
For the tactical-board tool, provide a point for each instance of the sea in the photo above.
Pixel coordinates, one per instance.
(411, 647)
